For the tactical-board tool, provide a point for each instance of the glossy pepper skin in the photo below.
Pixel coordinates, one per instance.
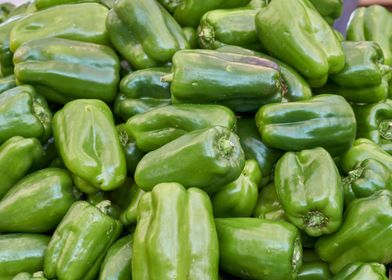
(117, 264)
(268, 205)
(365, 179)
(128, 216)
(7, 83)
(190, 37)
(144, 33)
(142, 91)
(24, 113)
(238, 198)
(88, 143)
(259, 249)
(26, 205)
(80, 242)
(367, 219)
(190, 244)
(207, 159)
(81, 22)
(229, 27)
(309, 44)
(21, 252)
(155, 128)
(71, 69)
(309, 187)
(30, 276)
(314, 271)
(362, 271)
(329, 9)
(240, 82)
(255, 149)
(325, 120)
(25, 154)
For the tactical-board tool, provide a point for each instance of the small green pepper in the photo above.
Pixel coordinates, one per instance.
(268, 205)
(329, 9)
(362, 271)
(314, 271)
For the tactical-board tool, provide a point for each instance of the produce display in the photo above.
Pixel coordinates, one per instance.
(195, 140)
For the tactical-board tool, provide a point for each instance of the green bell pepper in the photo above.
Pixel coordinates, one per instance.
(362, 271)
(44, 4)
(190, 36)
(7, 83)
(81, 22)
(366, 227)
(329, 9)
(301, 38)
(326, 121)
(175, 236)
(240, 82)
(5, 9)
(21, 252)
(26, 205)
(144, 33)
(229, 27)
(80, 242)
(71, 69)
(117, 264)
(238, 198)
(268, 205)
(309, 187)
(207, 159)
(88, 143)
(24, 113)
(314, 271)
(141, 91)
(25, 154)
(255, 149)
(155, 128)
(259, 249)
(28, 276)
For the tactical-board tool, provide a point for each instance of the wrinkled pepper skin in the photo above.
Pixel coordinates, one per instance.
(144, 33)
(255, 149)
(366, 219)
(229, 27)
(24, 113)
(296, 88)
(329, 9)
(268, 205)
(88, 143)
(117, 264)
(368, 177)
(362, 271)
(28, 276)
(26, 206)
(70, 68)
(190, 248)
(326, 121)
(309, 187)
(21, 252)
(240, 82)
(259, 249)
(309, 45)
(219, 155)
(373, 23)
(80, 242)
(155, 128)
(142, 91)
(374, 122)
(314, 271)
(81, 22)
(7, 83)
(25, 154)
(238, 198)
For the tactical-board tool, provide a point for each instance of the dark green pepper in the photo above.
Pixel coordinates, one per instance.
(7, 83)
(240, 82)
(28, 276)
(70, 69)
(141, 91)
(155, 128)
(5, 9)
(259, 249)
(44, 4)
(314, 271)
(238, 198)
(329, 9)
(268, 205)
(366, 227)
(88, 143)
(129, 210)
(326, 121)
(301, 38)
(206, 159)
(80, 242)
(175, 236)
(190, 36)
(362, 271)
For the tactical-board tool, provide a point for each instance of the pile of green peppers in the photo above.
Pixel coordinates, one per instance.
(195, 140)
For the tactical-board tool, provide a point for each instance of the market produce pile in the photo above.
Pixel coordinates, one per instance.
(181, 139)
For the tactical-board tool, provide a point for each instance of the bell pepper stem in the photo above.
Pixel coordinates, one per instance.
(167, 78)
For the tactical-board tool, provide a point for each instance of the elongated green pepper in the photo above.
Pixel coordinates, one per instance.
(80, 242)
(329, 9)
(182, 244)
(362, 271)
(69, 68)
(220, 160)
(268, 205)
(88, 143)
(160, 126)
(240, 82)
